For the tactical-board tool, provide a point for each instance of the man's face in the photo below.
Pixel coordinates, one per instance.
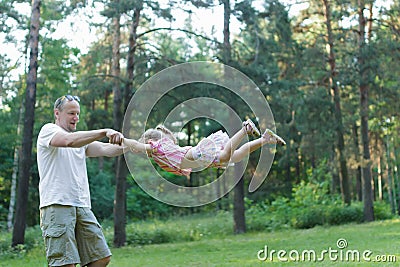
(68, 117)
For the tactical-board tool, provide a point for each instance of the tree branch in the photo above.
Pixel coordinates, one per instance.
(181, 30)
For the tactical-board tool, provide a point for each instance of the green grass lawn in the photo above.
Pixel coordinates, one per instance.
(381, 238)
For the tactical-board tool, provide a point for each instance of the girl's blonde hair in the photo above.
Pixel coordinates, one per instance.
(157, 133)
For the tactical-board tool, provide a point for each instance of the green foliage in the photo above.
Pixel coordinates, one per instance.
(310, 206)
(382, 210)
(101, 187)
(9, 140)
(141, 206)
(178, 229)
(336, 215)
(307, 194)
(56, 10)
(307, 217)
(8, 14)
(269, 216)
(33, 239)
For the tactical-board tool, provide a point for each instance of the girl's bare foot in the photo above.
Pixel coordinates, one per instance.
(272, 138)
(250, 128)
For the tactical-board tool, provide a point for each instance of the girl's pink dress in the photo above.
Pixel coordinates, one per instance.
(169, 156)
(208, 150)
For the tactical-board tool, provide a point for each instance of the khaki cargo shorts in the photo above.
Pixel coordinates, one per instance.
(72, 235)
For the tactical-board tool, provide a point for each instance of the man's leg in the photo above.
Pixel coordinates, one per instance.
(92, 245)
(58, 225)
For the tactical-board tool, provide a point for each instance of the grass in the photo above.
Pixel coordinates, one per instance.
(380, 237)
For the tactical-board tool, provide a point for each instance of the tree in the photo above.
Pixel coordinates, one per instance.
(239, 219)
(121, 169)
(26, 155)
(335, 91)
(8, 12)
(14, 175)
(364, 75)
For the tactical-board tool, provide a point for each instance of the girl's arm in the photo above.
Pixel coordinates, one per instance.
(98, 149)
(136, 146)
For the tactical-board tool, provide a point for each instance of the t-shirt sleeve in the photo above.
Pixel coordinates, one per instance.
(47, 133)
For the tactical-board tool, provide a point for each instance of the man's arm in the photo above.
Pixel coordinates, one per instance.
(99, 149)
(136, 146)
(82, 138)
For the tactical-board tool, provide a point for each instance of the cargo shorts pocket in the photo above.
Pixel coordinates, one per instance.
(54, 237)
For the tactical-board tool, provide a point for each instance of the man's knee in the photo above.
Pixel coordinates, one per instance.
(100, 263)
(105, 260)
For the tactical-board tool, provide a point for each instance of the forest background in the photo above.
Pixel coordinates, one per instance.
(329, 72)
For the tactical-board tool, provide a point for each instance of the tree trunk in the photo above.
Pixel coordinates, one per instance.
(380, 177)
(396, 179)
(17, 151)
(344, 181)
(26, 153)
(239, 218)
(131, 54)
(120, 203)
(358, 171)
(238, 203)
(366, 164)
(116, 72)
(227, 43)
(122, 169)
(390, 183)
(120, 174)
(11, 206)
(364, 87)
(335, 188)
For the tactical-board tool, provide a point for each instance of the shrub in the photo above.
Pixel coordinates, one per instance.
(264, 216)
(310, 205)
(144, 235)
(382, 211)
(310, 193)
(308, 217)
(341, 214)
(33, 239)
(101, 188)
(176, 229)
(141, 206)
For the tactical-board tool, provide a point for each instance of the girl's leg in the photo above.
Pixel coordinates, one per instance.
(246, 149)
(234, 141)
(268, 137)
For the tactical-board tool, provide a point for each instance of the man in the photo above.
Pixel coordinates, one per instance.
(71, 232)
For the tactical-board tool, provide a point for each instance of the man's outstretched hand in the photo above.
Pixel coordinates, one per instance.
(114, 137)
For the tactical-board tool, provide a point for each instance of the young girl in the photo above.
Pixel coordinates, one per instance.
(216, 150)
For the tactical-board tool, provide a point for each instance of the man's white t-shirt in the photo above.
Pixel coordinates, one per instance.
(62, 171)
